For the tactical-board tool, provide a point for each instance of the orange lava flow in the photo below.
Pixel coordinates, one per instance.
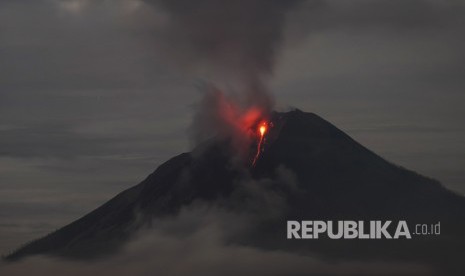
(262, 130)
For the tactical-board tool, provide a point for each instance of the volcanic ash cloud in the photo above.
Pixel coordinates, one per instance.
(234, 43)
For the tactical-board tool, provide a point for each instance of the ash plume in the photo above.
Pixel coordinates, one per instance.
(239, 38)
(234, 44)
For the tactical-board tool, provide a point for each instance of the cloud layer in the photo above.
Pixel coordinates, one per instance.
(91, 101)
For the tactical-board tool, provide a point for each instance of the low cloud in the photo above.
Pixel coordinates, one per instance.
(193, 243)
(201, 240)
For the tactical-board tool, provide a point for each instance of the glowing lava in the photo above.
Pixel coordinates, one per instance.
(263, 126)
(262, 130)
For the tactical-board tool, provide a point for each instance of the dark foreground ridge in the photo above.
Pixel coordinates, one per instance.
(336, 177)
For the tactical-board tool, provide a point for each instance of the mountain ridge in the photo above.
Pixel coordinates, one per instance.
(337, 178)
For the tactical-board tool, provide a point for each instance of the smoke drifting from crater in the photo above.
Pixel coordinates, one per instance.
(234, 44)
(238, 38)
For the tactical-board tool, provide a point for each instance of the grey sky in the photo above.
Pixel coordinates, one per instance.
(91, 101)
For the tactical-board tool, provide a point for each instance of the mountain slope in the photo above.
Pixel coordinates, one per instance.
(336, 178)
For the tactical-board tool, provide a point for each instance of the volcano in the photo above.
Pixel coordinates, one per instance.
(333, 176)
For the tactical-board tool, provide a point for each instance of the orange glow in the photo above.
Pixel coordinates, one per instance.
(262, 130)
(243, 126)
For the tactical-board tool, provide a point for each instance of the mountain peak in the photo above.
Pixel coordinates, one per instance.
(335, 177)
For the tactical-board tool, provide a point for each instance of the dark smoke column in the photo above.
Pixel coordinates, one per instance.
(237, 37)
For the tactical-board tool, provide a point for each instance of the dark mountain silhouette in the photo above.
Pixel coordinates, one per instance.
(337, 178)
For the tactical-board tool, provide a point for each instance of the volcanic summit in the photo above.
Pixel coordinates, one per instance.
(329, 176)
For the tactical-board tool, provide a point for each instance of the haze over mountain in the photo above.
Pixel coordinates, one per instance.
(309, 170)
